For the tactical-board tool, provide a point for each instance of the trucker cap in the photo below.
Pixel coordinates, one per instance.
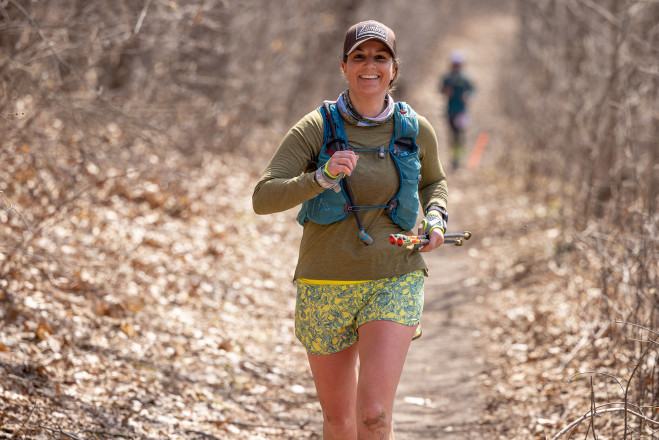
(369, 30)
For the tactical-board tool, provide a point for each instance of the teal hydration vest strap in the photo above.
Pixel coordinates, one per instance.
(332, 206)
(342, 144)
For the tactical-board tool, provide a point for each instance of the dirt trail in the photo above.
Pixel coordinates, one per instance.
(439, 395)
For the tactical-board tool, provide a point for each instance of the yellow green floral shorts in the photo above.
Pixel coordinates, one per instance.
(327, 316)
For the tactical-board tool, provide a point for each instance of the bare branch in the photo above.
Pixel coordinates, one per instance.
(582, 343)
(638, 326)
(11, 208)
(599, 373)
(138, 25)
(25, 421)
(599, 412)
(601, 11)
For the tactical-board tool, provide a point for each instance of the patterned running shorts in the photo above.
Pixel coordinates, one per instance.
(327, 316)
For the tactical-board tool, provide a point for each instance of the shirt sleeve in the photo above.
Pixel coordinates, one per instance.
(288, 178)
(433, 188)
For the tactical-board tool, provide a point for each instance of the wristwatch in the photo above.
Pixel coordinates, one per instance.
(321, 178)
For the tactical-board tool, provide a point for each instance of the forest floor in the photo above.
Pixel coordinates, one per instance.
(199, 341)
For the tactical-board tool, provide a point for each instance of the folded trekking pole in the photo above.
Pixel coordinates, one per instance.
(403, 240)
(363, 236)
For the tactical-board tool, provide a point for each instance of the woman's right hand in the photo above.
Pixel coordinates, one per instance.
(342, 162)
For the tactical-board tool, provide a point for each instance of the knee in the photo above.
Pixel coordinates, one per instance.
(375, 418)
(340, 425)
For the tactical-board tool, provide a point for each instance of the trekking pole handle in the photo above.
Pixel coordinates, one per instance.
(453, 238)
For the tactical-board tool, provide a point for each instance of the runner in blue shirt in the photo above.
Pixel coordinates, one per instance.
(457, 88)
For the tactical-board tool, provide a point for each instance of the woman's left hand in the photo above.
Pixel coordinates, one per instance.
(436, 239)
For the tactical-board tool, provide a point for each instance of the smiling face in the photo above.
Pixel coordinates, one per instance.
(369, 70)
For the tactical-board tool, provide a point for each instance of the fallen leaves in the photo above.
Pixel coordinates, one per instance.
(155, 315)
(43, 330)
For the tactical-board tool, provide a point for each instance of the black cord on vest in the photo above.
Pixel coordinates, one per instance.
(363, 236)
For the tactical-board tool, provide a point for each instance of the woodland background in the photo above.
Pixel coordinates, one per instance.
(131, 132)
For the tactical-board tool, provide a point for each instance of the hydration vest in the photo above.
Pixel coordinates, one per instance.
(332, 205)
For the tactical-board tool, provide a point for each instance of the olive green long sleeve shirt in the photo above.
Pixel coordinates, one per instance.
(334, 251)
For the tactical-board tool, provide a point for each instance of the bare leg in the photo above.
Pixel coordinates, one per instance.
(383, 348)
(335, 376)
(456, 143)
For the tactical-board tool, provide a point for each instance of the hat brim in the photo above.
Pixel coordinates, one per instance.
(360, 42)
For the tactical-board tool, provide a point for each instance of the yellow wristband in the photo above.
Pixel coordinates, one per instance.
(327, 172)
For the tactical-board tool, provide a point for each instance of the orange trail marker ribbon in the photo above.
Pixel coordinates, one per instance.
(479, 148)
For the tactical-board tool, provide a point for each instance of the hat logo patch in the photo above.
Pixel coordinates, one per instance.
(371, 30)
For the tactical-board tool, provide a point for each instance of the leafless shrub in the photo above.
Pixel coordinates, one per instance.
(587, 92)
(633, 412)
